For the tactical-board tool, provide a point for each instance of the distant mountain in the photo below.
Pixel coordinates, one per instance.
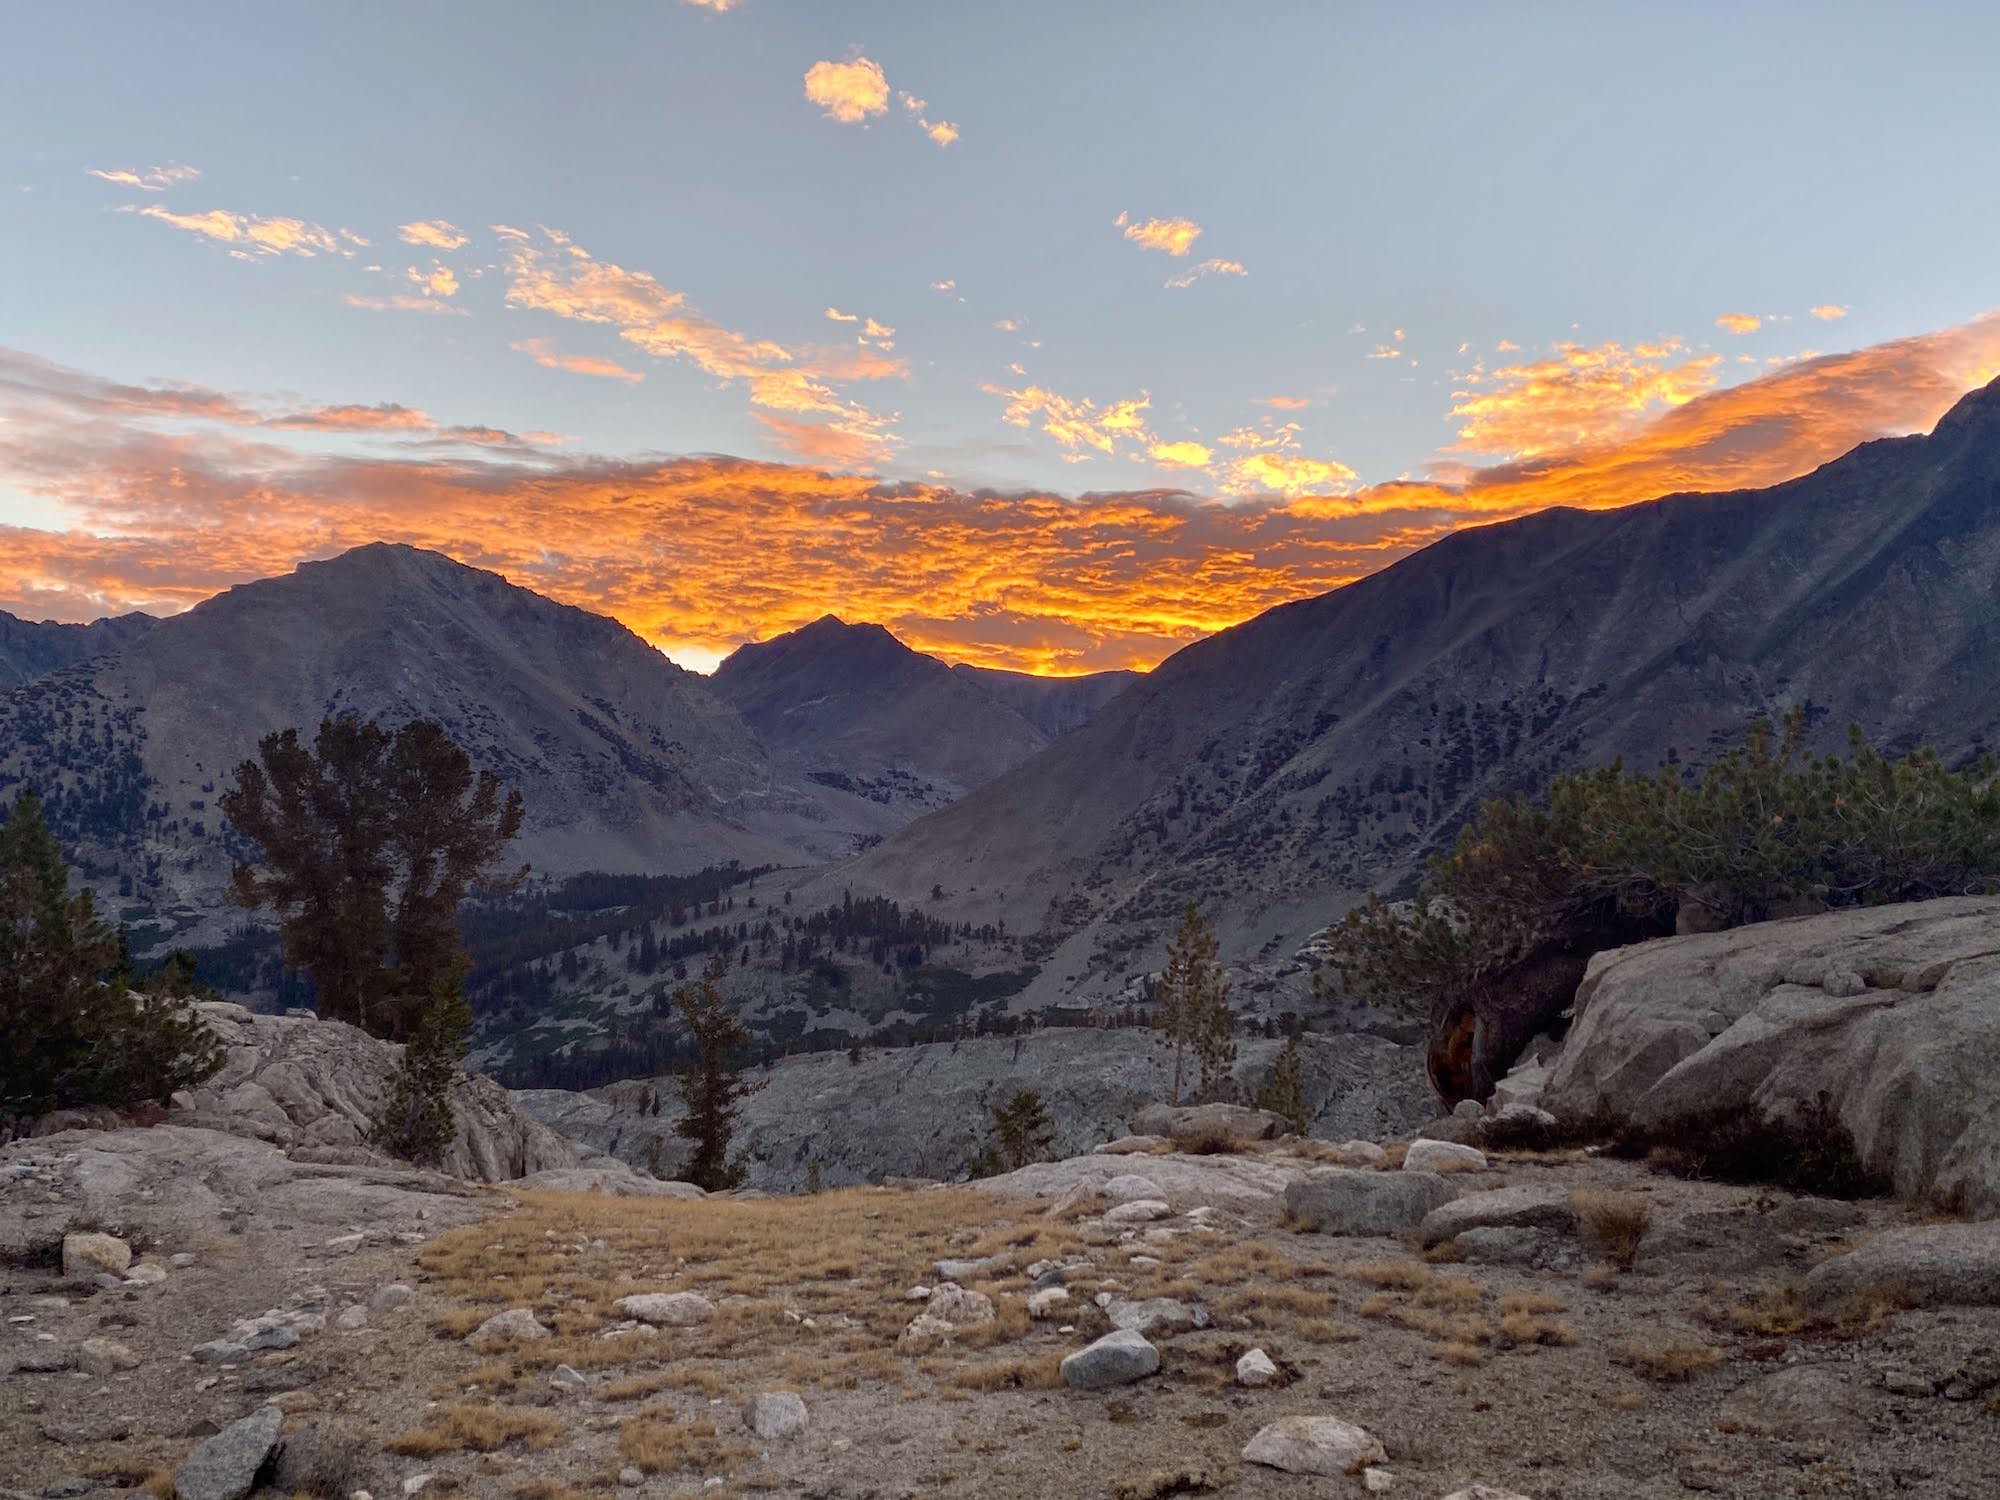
(1276, 770)
(626, 761)
(1054, 705)
(885, 733)
(31, 649)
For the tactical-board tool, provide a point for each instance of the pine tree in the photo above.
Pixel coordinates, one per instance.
(418, 1121)
(73, 1031)
(711, 1091)
(370, 842)
(1022, 1130)
(1284, 1093)
(1194, 1004)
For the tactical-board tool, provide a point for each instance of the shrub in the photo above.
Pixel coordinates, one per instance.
(1810, 1151)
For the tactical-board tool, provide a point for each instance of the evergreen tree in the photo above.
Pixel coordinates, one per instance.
(1194, 1004)
(73, 1031)
(711, 1091)
(1022, 1131)
(370, 842)
(418, 1121)
(1284, 1093)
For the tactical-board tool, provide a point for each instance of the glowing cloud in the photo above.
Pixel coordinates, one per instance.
(849, 92)
(249, 231)
(170, 491)
(433, 232)
(1578, 395)
(1739, 322)
(836, 315)
(941, 131)
(540, 351)
(152, 180)
(1174, 236)
(401, 302)
(1828, 312)
(1180, 455)
(1207, 268)
(1284, 403)
(719, 6)
(439, 281)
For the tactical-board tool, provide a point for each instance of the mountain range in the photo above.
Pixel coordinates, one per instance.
(1277, 770)
(34, 648)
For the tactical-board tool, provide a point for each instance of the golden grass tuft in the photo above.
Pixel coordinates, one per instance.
(653, 1442)
(478, 1429)
(1670, 1364)
(1158, 1484)
(1615, 1224)
(1041, 1372)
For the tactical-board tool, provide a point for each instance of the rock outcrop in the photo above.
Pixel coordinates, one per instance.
(1890, 1015)
(315, 1088)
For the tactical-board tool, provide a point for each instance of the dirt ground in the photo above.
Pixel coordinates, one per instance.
(1693, 1370)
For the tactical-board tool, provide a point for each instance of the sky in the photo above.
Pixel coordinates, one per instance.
(1052, 335)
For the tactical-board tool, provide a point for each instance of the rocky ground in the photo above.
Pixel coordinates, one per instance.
(1561, 1326)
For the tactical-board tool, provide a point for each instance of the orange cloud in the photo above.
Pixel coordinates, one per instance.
(1076, 423)
(1576, 396)
(400, 302)
(719, 6)
(1207, 268)
(152, 180)
(849, 91)
(941, 131)
(264, 236)
(576, 364)
(435, 233)
(1284, 403)
(1739, 322)
(1174, 236)
(1828, 312)
(1180, 455)
(439, 281)
(172, 491)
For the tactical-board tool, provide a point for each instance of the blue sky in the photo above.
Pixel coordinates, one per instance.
(1395, 194)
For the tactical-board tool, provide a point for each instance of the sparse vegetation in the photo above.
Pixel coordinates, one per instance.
(1614, 1224)
(1284, 1092)
(712, 1091)
(1194, 1009)
(1670, 1364)
(1022, 1133)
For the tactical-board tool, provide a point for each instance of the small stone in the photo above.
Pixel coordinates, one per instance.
(219, 1352)
(181, 1261)
(102, 1356)
(1103, 1299)
(352, 1318)
(1468, 1109)
(226, 1466)
(1137, 1211)
(1443, 1156)
(284, 1336)
(1047, 1303)
(1903, 1383)
(961, 1270)
(345, 1244)
(1377, 1481)
(389, 1298)
(1153, 1314)
(1255, 1369)
(146, 1273)
(414, 1485)
(568, 1378)
(916, 1294)
(514, 1323)
(667, 1309)
(86, 1254)
(775, 1415)
(630, 1477)
(1119, 1358)
(1315, 1445)
(49, 1361)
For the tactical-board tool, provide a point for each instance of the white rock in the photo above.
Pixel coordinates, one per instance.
(1443, 1156)
(1119, 1358)
(1157, 1313)
(630, 1477)
(389, 1298)
(917, 1293)
(345, 1244)
(146, 1273)
(775, 1415)
(181, 1261)
(414, 1485)
(1049, 1302)
(568, 1378)
(1103, 1299)
(1315, 1445)
(352, 1318)
(101, 1356)
(667, 1309)
(1377, 1481)
(1256, 1369)
(1363, 1153)
(1138, 1211)
(514, 1323)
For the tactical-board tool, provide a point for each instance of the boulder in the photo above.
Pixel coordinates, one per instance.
(1209, 1126)
(1889, 1014)
(1953, 1264)
(1130, 1187)
(1149, 1314)
(1137, 1211)
(302, 1083)
(614, 1181)
(1315, 1445)
(86, 1254)
(1243, 1182)
(514, 1323)
(1545, 1208)
(1443, 1156)
(775, 1415)
(1050, 1302)
(948, 1309)
(1134, 1145)
(1119, 1358)
(389, 1298)
(1342, 1200)
(1255, 1369)
(102, 1356)
(227, 1465)
(667, 1309)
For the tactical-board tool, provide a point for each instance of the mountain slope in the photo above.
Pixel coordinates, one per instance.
(1279, 768)
(1054, 705)
(881, 733)
(31, 649)
(626, 761)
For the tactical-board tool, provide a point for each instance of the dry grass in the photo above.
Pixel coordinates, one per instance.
(1628, 1400)
(1614, 1223)
(1041, 1372)
(1158, 1484)
(478, 1429)
(1264, 1305)
(548, 1489)
(653, 1442)
(1404, 1275)
(1601, 1278)
(1670, 1364)
(1770, 1315)
(1458, 1353)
